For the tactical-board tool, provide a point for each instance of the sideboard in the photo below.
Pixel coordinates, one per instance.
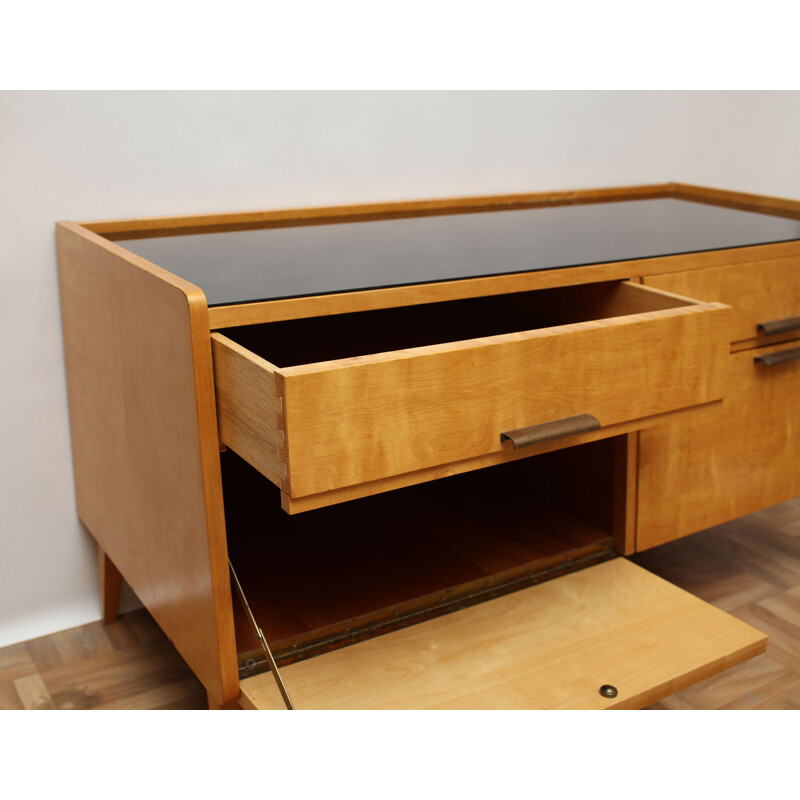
(394, 455)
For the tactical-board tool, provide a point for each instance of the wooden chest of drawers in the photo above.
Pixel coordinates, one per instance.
(424, 432)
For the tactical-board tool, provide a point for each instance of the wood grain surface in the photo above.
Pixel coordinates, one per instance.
(297, 505)
(363, 419)
(145, 445)
(549, 646)
(723, 462)
(319, 580)
(761, 291)
(128, 664)
(249, 387)
(749, 568)
(110, 586)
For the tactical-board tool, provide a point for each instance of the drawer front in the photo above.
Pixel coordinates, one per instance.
(721, 463)
(357, 422)
(319, 427)
(760, 292)
(549, 646)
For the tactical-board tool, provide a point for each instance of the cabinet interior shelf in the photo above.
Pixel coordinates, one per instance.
(324, 579)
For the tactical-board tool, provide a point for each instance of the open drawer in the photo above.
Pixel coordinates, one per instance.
(556, 645)
(330, 402)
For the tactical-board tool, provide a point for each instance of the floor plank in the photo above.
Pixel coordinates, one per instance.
(33, 693)
(79, 644)
(128, 664)
(15, 662)
(119, 678)
(9, 699)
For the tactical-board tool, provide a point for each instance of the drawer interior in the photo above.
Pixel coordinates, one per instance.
(339, 575)
(305, 341)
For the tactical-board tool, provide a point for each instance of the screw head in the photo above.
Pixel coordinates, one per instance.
(607, 690)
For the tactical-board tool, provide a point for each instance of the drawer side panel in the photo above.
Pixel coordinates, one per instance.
(250, 408)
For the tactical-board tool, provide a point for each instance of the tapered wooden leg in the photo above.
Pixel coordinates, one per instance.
(215, 705)
(110, 586)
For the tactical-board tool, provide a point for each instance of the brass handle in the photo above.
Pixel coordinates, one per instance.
(547, 431)
(781, 357)
(779, 326)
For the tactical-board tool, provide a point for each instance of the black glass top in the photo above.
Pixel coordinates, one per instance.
(271, 263)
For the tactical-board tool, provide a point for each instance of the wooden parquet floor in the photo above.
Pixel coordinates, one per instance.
(129, 664)
(749, 567)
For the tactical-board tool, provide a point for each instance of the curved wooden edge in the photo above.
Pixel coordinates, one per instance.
(144, 440)
(214, 505)
(193, 293)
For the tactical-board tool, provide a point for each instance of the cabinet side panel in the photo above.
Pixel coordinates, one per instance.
(144, 443)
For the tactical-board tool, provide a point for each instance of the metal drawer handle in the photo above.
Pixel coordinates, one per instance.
(781, 357)
(547, 431)
(779, 326)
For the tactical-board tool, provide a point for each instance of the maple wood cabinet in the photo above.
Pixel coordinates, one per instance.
(426, 434)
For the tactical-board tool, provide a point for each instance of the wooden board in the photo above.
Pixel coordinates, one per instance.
(366, 418)
(723, 462)
(549, 646)
(760, 291)
(145, 445)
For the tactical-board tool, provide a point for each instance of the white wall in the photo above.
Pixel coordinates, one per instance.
(104, 155)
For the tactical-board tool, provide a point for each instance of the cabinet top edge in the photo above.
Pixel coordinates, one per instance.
(147, 227)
